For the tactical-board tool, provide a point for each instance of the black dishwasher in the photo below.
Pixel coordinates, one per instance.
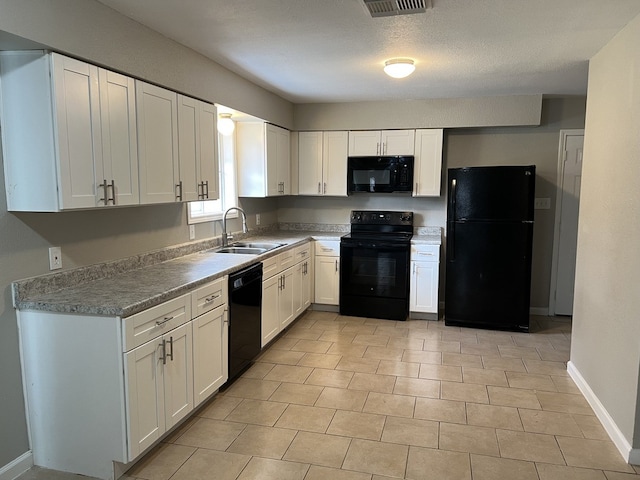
(245, 324)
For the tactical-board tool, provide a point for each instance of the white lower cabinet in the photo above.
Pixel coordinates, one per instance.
(425, 262)
(159, 386)
(327, 272)
(286, 293)
(119, 394)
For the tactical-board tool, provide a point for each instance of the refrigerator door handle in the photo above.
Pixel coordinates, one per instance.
(451, 240)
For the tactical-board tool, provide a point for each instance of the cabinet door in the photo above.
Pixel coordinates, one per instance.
(77, 101)
(364, 143)
(188, 147)
(310, 163)
(178, 374)
(334, 160)
(327, 274)
(144, 396)
(306, 286)
(286, 300)
(428, 162)
(157, 116)
(398, 142)
(208, 160)
(270, 307)
(119, 139)
(284, 161)
(272, 183)
(298, 274)
(424, 287)
(210, 353)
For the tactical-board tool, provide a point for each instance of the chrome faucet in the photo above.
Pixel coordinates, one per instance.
(225, 236)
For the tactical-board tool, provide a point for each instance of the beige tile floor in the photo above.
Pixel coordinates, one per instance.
(351, 398)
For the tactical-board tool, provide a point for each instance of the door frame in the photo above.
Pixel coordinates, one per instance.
(556, 228)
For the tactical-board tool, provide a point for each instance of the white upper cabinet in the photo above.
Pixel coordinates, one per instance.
(157, 110)
(198, 158)
(428, 163)
(264, 160)
(84, 153)
(322, 158)
(381, 142)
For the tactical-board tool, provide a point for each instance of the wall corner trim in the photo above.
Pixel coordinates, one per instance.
(17, 467)
(629, 454)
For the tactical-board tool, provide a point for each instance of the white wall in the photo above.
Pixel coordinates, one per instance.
(606, 323)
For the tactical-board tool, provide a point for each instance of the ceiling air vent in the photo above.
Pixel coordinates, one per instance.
(387, 8)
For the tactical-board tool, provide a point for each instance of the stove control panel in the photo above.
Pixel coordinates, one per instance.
(370, 217)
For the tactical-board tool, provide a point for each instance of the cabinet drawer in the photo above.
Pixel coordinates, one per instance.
(209, 296)
(328, 248)
(302, 252)
(270, 267)
(425, 253)
(144, 326)
(286, 259)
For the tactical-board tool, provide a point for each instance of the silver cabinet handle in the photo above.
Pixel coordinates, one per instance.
(164, 320)
(200, 190)
(319, 189)
(164, 351)
(105, 197)
(336, 265)
(112, 185)
(171, 351)
(206, 184)
(378, 148)
(179, 188)
(325, 188)
(212, 298)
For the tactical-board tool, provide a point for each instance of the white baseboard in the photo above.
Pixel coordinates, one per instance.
(631, 455)
(20, 465)
(542, 311)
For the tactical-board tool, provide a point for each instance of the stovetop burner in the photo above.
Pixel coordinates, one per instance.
(386, 225)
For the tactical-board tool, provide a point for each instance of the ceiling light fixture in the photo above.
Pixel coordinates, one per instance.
(399, 67)
(225, 124)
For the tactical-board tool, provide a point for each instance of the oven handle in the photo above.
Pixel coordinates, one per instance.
(376, 246)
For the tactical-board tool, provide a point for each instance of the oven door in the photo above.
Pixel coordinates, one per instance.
(374, 269)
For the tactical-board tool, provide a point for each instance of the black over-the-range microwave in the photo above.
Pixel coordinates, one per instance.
(381, 174)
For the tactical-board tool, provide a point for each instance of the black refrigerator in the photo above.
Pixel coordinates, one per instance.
(489, 242)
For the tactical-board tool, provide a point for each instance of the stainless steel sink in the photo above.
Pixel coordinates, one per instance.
(266, 246)
(241, 250)
(245, 248)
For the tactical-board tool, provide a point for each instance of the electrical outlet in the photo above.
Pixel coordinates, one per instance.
(542, 203)
(192, 232)
(257, 219)
(55, 258)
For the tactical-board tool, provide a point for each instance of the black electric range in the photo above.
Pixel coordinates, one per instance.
(374, 265)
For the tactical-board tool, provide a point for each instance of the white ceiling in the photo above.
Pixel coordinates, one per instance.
(333, 51)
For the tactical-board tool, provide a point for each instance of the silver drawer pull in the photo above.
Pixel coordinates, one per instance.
(164, 320)
(426, 254)
(212, 298)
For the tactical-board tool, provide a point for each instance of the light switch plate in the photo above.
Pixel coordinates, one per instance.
(55, 258)
(257, 219)
(192, 232)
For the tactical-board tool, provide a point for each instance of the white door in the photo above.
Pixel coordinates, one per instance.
(363, 143)
(424, 287)
(210, 340)
(327, 273)
(208, 161)
(398, 142)
(284, 161)
(157, 118)
(310, 163)
(119, 139)
(568, 201)
(306, 284)
(334, 159)
(270, 321)
(188, 147)
(428, 162)
(286, 299)
(178, 374)
(79, 138)
(145, 396)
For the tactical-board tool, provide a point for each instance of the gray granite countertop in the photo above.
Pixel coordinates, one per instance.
(130, 291)
(128, 286)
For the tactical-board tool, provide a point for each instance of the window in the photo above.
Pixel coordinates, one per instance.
(210, 210)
